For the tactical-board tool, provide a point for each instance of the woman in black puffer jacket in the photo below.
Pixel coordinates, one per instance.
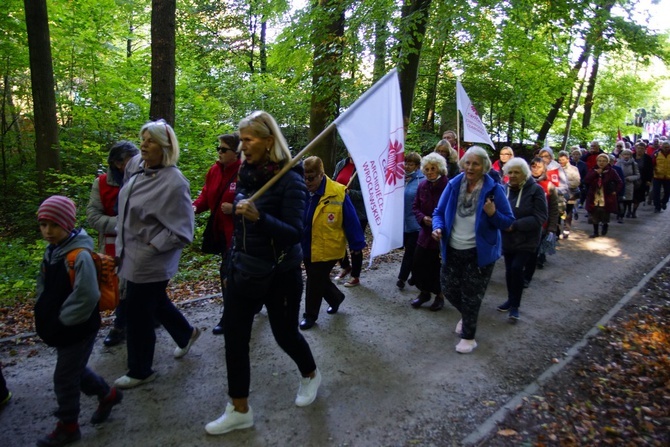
(265, 267)
(520, 241)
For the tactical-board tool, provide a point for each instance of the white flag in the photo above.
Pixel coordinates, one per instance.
(473, 128)
(372, 129)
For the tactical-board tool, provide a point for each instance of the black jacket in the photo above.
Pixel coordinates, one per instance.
(529, 205)
(276, 236)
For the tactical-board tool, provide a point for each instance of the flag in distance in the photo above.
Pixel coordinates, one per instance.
(473, 128)
(372, 129)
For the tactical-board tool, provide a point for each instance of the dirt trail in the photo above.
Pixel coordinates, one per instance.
(390, 372)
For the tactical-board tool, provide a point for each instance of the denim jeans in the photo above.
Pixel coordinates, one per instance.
(409, 244)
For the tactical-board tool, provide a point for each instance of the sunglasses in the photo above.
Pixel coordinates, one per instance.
(310, 178)
(224, 149)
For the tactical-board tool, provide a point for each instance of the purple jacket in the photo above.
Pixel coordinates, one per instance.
(425, 202)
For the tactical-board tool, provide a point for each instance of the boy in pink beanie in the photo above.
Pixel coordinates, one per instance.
(67, 318)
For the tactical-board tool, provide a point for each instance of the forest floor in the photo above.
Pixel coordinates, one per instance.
(588, 363)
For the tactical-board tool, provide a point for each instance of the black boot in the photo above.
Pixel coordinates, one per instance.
(605, 228)
(595, 231)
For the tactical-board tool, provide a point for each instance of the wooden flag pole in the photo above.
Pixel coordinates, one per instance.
(293, 162)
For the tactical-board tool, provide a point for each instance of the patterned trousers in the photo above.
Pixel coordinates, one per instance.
(464, 284)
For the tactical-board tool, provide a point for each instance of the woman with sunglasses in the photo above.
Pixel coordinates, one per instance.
(217, 197)
(266, 238)
(155, 223)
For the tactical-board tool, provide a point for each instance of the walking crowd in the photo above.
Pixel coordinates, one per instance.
(269, 217)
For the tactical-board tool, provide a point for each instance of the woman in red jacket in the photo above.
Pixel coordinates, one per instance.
(217, 196)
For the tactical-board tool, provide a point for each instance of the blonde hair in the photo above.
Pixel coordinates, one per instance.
(262, 125)
(163, 135)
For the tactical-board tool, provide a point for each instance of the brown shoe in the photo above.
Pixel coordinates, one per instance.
(423, 297)
(438, 303)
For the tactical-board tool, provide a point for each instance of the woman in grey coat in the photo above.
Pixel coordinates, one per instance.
(631, 174)
(155, 223)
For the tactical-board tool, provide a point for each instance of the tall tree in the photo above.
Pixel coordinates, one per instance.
(412, 30)
(327, 38)
(163, 60)
(47, 151)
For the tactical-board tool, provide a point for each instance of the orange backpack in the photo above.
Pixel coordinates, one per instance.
(108, 281)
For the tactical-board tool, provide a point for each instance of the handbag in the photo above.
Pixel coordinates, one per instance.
(210, 244)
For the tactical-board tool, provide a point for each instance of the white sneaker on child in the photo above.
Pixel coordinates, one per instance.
(230, 420)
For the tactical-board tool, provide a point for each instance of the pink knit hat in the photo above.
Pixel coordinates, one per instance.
(60, 210)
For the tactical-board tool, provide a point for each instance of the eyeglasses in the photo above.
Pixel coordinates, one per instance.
(505, 154)
(310, 178)
(224, 149)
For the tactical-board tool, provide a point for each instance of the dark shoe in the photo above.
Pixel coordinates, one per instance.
(333, 309)
(423, 297)
(526, 284)
(593, 236)
(400, 284)
(438, 303)
(62, 435)
(629, 214)
(504, 307)
(411, 281)
(4, 400)
(105, 406)
(306, 323)
(540, 265)
(218, 329)
(605, 228)
(619, 220)
(115, 337)
(513, 315)
(664, 206)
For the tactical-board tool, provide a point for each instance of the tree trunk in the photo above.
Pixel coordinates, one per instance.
(571, 114)
(412, 30)
(590, 88)
(327, 37)
(553, 113)
(428, 123)
(263, 49)
(510, 128)
(47, 152)
(381, 37)
(163, 60)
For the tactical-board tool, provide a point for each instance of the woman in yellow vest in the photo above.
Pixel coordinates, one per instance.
(330, 222)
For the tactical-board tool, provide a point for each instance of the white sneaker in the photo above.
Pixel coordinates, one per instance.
(126, 382)
(459, 327)
(181, 352)
(466, 346)
(230, 420)
(308, 389)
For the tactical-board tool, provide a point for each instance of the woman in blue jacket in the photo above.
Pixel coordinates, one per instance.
(468, 219)
(413, 176)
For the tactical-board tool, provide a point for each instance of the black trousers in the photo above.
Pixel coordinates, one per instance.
(283, 306)
(320, 286)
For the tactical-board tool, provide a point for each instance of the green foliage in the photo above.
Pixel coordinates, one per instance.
(20, 261)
